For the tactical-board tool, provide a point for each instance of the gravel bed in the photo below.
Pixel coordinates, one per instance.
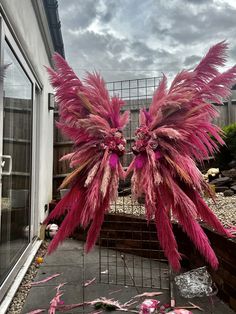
(18, 301)
(125, 205)
(225, 207)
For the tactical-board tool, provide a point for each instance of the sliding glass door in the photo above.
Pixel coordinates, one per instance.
(15, 160)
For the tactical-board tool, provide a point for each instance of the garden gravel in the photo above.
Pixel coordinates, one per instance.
(18, 301)
(224, 208)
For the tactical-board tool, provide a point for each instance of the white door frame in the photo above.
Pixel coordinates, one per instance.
(1, 111)
(6, 34)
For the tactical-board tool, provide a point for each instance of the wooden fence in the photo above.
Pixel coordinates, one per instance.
(17, 142)
(62, 146)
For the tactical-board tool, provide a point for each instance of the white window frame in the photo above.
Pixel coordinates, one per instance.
(7, 34)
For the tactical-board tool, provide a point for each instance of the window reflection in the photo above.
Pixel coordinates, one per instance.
(16, 137)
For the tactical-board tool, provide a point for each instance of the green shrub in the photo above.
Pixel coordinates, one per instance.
(227, 152)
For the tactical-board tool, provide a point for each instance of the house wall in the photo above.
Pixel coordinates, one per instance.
(24, 18)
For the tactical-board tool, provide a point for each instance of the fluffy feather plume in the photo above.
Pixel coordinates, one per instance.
(92, 120)
(176, 132)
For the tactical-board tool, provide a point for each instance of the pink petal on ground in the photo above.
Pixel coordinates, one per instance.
(147, 294)
(68, 307)
(181, 311)
(44, 280)
(88, 282)
(112, 292)
(36, 311)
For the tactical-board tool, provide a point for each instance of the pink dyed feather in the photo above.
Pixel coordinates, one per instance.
(113, 161)
(166, 236)
(92, 120)
(179, 130)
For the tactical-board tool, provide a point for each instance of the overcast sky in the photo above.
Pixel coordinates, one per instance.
(127, 39)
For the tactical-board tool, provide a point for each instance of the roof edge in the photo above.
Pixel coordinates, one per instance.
(44, 27)
(51, 10)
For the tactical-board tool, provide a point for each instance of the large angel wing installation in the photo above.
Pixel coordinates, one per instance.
(92, 120)
(173, 134)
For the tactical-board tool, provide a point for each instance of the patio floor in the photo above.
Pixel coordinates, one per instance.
(75, 269)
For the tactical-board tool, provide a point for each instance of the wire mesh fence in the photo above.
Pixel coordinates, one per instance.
(129, 251)
(130, 255)
(136, 94)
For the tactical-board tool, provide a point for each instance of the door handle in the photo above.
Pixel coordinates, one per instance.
(3, 159)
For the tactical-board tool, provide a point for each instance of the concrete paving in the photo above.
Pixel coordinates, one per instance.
(121, 278)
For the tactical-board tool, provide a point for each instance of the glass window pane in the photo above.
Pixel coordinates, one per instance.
(16, 137)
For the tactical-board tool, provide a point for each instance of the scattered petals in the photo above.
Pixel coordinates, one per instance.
(112, 292)
(35, 283)
(147, 294)
(191, 306)
(149, 306)
(68, 307)
(56, 300)
(88, 282)
(37, 311)
(104, 272)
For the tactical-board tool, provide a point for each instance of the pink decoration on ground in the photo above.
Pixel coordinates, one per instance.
(181, 311)
(35, 283)
(56, 301)
(89, 282)
(149, 306)
(175, 133)
(37, 311)
(148, 294)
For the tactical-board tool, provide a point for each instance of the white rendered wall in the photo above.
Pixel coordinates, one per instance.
(22, 17)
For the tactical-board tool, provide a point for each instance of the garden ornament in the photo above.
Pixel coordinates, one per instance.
(174, 133)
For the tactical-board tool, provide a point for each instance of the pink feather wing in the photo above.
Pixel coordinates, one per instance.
(92, 120)
(176, 132)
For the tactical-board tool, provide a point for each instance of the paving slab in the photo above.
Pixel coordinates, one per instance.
(75, 268)
(69, 257)
(210, 305)
(73, 273)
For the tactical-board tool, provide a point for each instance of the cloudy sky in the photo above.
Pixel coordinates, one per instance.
(127, 39)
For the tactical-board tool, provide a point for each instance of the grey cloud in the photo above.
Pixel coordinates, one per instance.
(111, 9)
(136, 39)
(98, 45)
(187, 25)
(89, 50)
(140, 49)
(78, 14)
(232, 53)
(93, 51)
(198, 2)
(191, 60)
